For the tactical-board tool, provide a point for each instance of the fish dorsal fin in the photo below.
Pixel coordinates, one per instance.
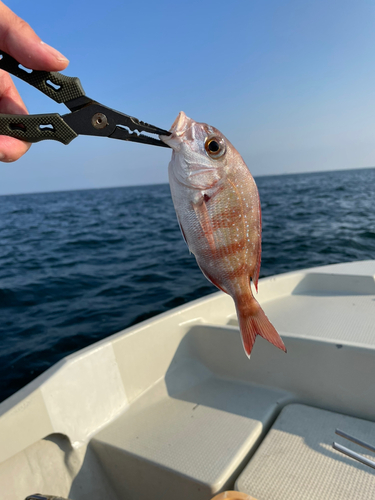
(255, 277)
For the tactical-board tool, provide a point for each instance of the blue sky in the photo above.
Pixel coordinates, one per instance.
(290, 83)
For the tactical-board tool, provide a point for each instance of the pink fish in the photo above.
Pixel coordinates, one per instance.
(218, 209)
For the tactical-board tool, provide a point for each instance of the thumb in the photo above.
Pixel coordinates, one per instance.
(20, 41)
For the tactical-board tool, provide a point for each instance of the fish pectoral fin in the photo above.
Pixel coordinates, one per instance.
(200, 209)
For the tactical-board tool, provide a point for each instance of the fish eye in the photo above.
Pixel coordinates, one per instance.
(215, 147)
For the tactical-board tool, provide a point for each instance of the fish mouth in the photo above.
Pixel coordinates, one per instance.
(179, 128)
(180, 124)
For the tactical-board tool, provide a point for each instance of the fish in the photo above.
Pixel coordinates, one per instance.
(218, 209)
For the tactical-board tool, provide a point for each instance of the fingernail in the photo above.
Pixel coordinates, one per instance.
(55, 53)
(2, 156)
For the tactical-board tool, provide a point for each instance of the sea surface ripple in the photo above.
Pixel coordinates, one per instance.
(77, 266)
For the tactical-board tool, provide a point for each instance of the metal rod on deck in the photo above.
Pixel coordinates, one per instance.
(353, 454)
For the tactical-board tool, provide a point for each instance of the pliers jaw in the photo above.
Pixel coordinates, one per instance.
(88, 117)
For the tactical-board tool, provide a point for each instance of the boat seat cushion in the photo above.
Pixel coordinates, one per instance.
(296, 459)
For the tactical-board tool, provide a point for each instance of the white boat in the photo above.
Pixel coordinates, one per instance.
(173, 409)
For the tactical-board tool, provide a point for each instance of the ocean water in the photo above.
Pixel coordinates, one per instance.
(77, 266)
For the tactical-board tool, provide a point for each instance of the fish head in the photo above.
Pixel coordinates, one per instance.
(200, 152)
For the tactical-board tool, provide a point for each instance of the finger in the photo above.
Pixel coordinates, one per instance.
(20, 41)
(11, 149)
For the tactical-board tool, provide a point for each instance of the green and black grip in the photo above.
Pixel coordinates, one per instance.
(35, 128)
(58, 87)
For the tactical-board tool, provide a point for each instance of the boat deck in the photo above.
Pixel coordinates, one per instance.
(172, 408)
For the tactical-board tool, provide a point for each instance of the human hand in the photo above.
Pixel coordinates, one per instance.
(19, 40)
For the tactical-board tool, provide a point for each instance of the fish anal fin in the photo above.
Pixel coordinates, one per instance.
(211, 279)
(253, 321)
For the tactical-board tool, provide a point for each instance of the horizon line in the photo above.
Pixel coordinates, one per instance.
(166, 183)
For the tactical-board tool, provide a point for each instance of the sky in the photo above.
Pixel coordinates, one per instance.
(290, 83)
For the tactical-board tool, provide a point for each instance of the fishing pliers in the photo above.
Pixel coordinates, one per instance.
(87, 116)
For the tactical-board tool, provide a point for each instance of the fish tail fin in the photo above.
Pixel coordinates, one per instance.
(253, 321)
